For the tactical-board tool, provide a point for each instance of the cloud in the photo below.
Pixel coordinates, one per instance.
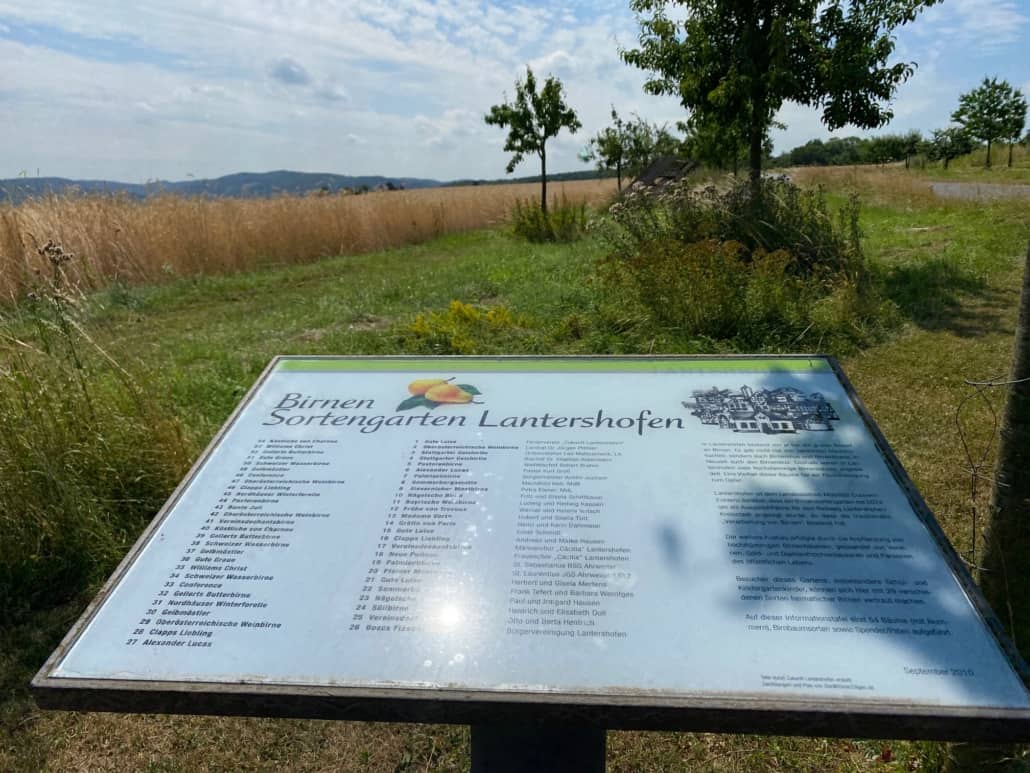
(454, 128)
(983, 26)
(290, 72)
(332, 92)
(554, 63)
(378, 86)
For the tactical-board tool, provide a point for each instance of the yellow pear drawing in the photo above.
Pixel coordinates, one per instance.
(423, 385)
(447, 393)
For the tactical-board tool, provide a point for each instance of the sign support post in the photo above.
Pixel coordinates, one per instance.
(540, 749)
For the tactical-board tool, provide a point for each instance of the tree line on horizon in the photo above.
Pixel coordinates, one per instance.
(733, 65)
(991, 113)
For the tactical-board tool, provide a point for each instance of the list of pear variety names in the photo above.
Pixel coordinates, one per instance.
(223, 573)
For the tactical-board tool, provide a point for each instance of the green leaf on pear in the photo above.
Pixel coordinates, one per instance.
(416, 401)
(468, 388)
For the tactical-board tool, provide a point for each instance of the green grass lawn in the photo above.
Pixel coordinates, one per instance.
(195, 346)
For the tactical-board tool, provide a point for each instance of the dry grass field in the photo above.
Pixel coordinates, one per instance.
(117, 239)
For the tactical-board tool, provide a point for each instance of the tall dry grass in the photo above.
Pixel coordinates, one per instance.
(888, 183)
(120, 239)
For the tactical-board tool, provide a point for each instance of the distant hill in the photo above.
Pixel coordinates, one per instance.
(242, 185)
(249, 184)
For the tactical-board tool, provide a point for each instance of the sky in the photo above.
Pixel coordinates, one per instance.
(106, 89)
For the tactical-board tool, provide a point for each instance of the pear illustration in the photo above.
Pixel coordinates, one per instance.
(432, 392)
(423, 385)
(448, 393)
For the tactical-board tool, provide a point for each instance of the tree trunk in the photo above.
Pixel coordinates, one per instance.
(1007, 542)
(755, 151)
(543, 181)
(946, 160)
(618, 174)
(988, 154)
(1010, 154)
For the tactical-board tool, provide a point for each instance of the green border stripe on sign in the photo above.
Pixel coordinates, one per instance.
(556, 365)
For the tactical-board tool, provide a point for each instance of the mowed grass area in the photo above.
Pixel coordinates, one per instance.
(195, 345)
(123, 240)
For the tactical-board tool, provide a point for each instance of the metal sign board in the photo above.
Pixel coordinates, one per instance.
(677, 542)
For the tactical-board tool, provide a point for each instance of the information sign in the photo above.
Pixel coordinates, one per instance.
(704, 543)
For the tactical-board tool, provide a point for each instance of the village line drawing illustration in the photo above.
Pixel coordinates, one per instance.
(770, 411)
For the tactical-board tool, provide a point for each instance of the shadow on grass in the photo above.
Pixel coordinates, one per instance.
(26, 641)
(939, 295)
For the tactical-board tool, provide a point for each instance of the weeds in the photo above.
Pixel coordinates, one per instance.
(565, 221)
(467, 329)
(735, 270)
(86, 457)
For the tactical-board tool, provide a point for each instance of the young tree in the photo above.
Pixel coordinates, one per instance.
(912, 142)
(717, 146)
(946, 144)
(886, 148)
(629, 147)
(988, 112)
(735, 62)
(609, 147)
(532, 119)
(1016, 120)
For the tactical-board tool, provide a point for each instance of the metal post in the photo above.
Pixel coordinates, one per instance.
(537, 749)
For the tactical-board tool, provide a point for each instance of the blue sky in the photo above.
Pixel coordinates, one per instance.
(105, 89)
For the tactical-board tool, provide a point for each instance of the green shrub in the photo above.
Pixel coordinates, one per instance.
(780, 217)
(466, 329)
(736, 269)
(562, 222)
(86, 457)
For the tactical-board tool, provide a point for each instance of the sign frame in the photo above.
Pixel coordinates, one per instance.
(614, 709)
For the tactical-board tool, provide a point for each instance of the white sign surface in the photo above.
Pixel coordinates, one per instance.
(566, 526)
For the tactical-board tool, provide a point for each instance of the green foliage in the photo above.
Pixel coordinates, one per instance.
(467, 329)
(911, 145)
(628, 147)
(832, 152)
(753, 271)
(563, 222)
(781, 217)
(734, 64)
(881, 149)
(887, 148)
(992, 111)
(947, 144)
(717, 146)
(532, 119)
(86, 457)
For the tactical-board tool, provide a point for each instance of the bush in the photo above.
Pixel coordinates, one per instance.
(780, 217)
(467, 329)
(771, 270)
(86, 457)
(563, 222)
